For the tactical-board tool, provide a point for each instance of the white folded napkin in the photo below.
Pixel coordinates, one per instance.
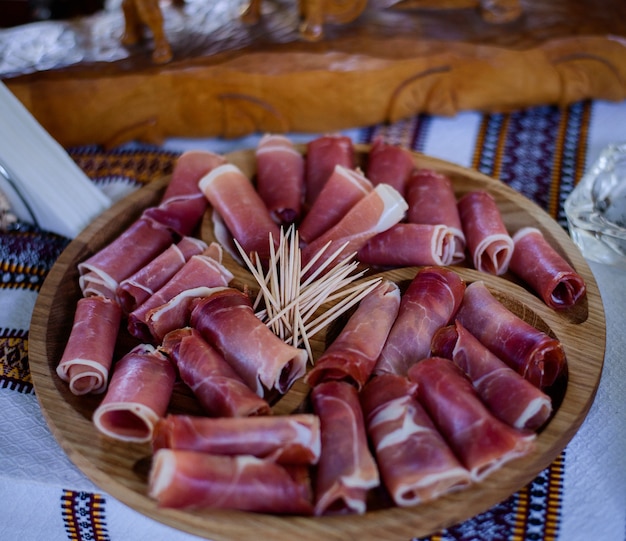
(43, 184)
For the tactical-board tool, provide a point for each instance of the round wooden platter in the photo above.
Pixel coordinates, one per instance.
(121, 469)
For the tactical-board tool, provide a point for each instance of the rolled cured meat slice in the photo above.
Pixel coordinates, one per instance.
(191, 480)
(88, 354)
(227, 321)
(531, 352)
(431, 200)
(136, 289)
(189, 168)
(216, 385)
(280, 178)
(353, 354)
(180, 214)
(415, 462)
(389, 164)
(244, 213)
(380, 209)
(322, 155)
(346, 470)
(547, 272)
(183, 204)
(138, 395)
(488, 240)
(482, 442)
(429, 303)
(138, 244)
(199, 273)
(343, 189)
(406, 245)
(509, 396)
(286, 439)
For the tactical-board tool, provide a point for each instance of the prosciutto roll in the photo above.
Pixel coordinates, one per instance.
(431, 200)
(189, 168)
(193, 279)
(88, 354)
(379, 210)
(286, 439)
(352, 355)
(506, 393)
(430, 302)
(180, 214)
(266, 363)
(322, 155)
(346, 469)
(489, 243)
(138, 395)
(482, 442)
(191, 480)
(280, 178)
(529, 351)
(415, 462)
(389, 164)
(136, 289)
(343, 189)
(216, 385)
(244, 213)
(139, 244)
(406, 245)
(537, 263)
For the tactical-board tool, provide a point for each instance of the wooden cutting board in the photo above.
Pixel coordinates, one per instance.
(121, 469)
(232, 78)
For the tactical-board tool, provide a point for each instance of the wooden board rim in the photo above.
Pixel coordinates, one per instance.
(106, 465)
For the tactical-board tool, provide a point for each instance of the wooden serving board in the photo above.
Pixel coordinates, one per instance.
(121, 469)
(229, 78)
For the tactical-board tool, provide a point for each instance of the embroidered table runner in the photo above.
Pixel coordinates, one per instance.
(541, 152)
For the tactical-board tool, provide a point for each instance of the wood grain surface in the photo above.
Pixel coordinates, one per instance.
(231, 78)
(121, 469)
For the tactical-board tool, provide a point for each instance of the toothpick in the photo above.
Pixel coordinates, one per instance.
(290, 304)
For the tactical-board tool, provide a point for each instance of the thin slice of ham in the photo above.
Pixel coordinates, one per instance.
(189, 168)
(191, 480)
(280, 177)
(379, 210)
(322, 155)
(244, 213)
(136, 289)
(415, 462)
(429, 303)
(227, 321)
(482, 442)
(181, 214)
(488, 240)
(432, 200)
(343, 189)
(138, 395)
(407, 245)
(509, 396)
(216, 385)
(183, 204)
(88, 354)
(286, 439)
(389, 164)
(346, 469)
(199, 273)
(531, 352)
(352, 355)
(546, 271)
(140, 243)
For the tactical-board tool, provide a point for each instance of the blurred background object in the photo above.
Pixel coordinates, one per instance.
(16, 12)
